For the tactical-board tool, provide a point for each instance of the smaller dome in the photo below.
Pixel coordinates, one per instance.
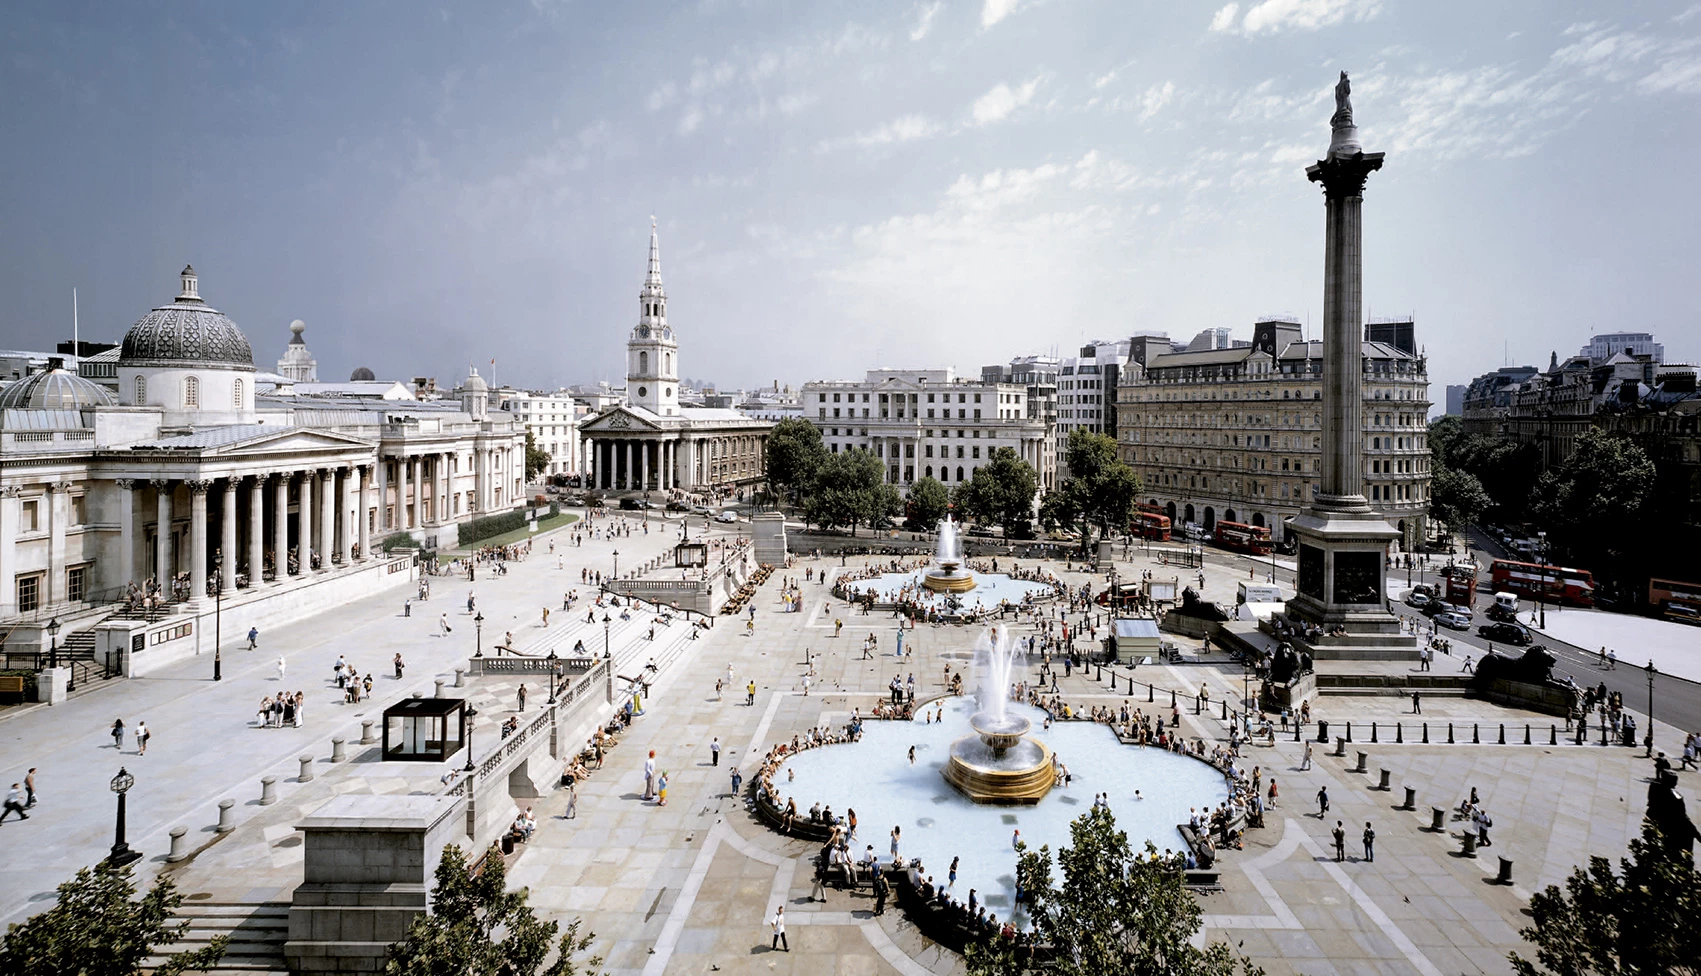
(56, 389)
(475, 383)
(360, 373)
(296, 328)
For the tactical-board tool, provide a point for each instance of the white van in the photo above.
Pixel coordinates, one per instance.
(1506, 601)
(1259, 593)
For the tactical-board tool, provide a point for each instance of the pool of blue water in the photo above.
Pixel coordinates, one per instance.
(990, 590)
(875, 777)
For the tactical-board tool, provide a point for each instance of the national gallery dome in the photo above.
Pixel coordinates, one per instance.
(186, 333)
(55, 389)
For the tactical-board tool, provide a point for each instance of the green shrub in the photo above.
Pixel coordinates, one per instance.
(472, 531)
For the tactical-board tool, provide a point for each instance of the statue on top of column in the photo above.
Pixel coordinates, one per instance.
(1343, 117)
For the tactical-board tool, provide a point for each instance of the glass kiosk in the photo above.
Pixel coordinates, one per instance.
(424, 729)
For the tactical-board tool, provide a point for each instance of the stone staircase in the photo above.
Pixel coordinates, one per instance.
(257, 933)
(79, 646)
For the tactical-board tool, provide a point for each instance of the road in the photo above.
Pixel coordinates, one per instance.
(1676, 701)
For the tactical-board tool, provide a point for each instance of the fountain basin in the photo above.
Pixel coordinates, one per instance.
(952, 580)
(1000, 763)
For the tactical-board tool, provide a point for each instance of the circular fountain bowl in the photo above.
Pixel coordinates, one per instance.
(951, 580)
(1000, 763)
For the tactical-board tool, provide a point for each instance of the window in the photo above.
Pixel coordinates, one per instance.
(643, 363)
(77, 509)
(29, 592)
(192, 392)
(76, 579)
(236, 395)
(29, 517)
(141, 390)
(959, 473)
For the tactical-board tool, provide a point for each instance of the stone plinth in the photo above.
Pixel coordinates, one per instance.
(769, 532)
(368, 863)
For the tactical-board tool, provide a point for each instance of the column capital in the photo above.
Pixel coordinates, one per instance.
(9, 491)
(199, 487)
(60, 486)
(161, 484)
(127, 484)
(1342, 175)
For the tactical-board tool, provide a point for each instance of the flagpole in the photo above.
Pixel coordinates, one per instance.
(76, 332)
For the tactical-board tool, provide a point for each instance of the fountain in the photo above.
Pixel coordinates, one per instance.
(948, 574)
(1000, 763)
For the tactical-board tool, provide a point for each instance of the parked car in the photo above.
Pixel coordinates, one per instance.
(727, 516)
(1417, 599)
(1683, 614)
(1506, 633)
(981, 532)
(1501, 613)
(1453, 621)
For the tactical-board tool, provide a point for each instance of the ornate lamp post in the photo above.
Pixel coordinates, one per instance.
(472, 713)
(53, 641)
(554, 670)
(605, 625)
(1651, 671)
(218, 624)
(121, 852)
(617, 565)
(478, 634)
(1541, 594)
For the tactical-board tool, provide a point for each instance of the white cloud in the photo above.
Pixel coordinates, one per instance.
(1155, 98)
(993, 11)
(792, 103)
(1103, 80)
(924, 20)
(905, 129)
(663, 96)
(997, 104)
(1279, 15)
(691, 120)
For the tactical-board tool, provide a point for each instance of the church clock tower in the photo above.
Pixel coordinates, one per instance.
(652, 357)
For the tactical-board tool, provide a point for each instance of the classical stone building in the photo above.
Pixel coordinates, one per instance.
(204, 477)
(651, 441)
(928, 423)
(1234, 434)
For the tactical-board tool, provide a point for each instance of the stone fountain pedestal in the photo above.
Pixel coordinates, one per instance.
(1000, 763)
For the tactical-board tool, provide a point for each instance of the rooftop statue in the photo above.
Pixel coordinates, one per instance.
(1343, 117)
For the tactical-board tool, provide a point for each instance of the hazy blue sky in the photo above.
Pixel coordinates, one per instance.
(841, 185)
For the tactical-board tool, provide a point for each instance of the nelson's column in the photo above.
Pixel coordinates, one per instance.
(1343, 542)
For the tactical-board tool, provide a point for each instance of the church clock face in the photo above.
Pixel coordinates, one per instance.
(643, 332)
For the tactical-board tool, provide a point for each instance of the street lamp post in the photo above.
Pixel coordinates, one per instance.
(472, 713)
(53, 643)
(218, 625)
(605, 625)
(554, 670)
(1652, 671)
(121, 853)
(617, 565)
(478, 634)
(1541, 592)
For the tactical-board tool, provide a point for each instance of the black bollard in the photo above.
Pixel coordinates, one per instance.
(1172, 698)
(1198, 704)
(1526, 733)
(1411, 799)
(1449, 733)
(1322, 731)
(1476, 733)
(1552, 734)
(1225, 709)
(1349, 731)
(1426, 733)
(1298, 731)
(1502, 733)
(1505, 875)
(1150, 690)
(1399, 735)
(1373, 731)
(1437, 820)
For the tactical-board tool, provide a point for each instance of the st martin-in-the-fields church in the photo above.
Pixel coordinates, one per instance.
(651, 442)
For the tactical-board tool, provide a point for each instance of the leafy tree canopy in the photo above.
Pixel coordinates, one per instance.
(848, 490)
(1112, 913)
(1638, 921)
(794, 454)
(1457, 497)
(929, 501)
(96, 929)
(1001, 492)
(537, 459)
(1100, 491)
(477, 927)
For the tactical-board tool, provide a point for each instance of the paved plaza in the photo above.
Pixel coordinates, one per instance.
(687, 888)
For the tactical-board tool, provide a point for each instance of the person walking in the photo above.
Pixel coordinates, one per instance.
(1305, 763)
(118, 734)
(715, 751)
(521, 697)
(1273, 794)
(882, 888)
(142, 735)
(661, 789)
(282, 667)
(952, 876)
(1322, 802)
(778, 924)
(14, 804)
(1340, 841)
(29, 788)
(1417, 704)
(1369, 842)
(650, 776)
(443, 628)
(399, 665)
(253, 638)
(750, 693)
(737, 781)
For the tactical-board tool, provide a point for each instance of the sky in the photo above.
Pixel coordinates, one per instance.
(842, 185)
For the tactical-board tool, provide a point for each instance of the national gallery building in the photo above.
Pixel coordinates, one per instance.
(188, 474)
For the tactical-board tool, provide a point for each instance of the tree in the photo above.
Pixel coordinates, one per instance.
(1113, 913)
(459, 936)
(1506, 469)
(929, 501)
(1100, 490)
(1444, 432)
(95, 929)
(849, 489)
(537, 459)
(1456, 497)
(1605, 482)
(794, 455)
(1000, 492)
(1641, 920)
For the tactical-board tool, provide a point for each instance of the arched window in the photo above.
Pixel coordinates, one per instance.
(236, 395)
(141, 390)
(959, 473)
(667, 357)
(192, 392)
(643, 363)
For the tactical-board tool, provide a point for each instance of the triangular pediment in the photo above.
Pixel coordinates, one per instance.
(616, 420)
(242, 439)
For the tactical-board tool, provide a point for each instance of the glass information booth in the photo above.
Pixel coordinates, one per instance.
(424, 729)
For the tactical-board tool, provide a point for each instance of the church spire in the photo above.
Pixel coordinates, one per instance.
(652, 300)
(652, 279)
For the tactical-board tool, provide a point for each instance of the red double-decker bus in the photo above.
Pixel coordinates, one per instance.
(1553, 584)
(1149, 525)
(1253, 539)
(1461, 587)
